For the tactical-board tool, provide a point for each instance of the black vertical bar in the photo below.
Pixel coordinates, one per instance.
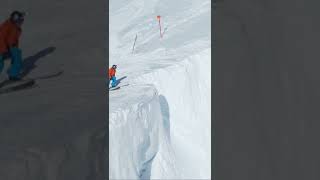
(107, 68)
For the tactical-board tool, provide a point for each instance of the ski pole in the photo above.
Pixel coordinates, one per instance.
(134, 42)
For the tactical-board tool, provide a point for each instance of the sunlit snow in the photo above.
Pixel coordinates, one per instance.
(160, 119)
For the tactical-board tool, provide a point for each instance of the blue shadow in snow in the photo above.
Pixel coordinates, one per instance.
(29, 63)
(165, 111)
(145, 172)
(120, 79)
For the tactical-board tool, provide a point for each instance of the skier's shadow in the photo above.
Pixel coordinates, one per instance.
(120, 79)
(29, 63)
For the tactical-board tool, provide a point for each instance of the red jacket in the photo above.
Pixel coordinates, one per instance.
(9, 35)
(112, 72)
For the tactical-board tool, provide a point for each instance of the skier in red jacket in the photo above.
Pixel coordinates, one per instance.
(112, 76)
(10, 32)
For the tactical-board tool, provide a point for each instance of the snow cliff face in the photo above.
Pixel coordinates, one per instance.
(134, 131)
(160, 117)
(184, 98)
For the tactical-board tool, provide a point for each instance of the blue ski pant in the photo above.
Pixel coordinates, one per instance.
(113, 81)
(16, 62)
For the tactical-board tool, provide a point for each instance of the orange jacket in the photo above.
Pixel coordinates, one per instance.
(9, 35)
(112, 72)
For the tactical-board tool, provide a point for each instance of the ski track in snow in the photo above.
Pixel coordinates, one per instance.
(159, 120)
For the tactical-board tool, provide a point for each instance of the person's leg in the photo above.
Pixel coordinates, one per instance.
(114, 81)
(1, 62)
(16, 62)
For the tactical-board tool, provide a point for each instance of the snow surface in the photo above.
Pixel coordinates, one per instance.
(160, 119)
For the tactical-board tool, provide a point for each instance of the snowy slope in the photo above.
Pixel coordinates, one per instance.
(160, 118)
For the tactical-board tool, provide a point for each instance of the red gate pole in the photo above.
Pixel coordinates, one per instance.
(158, 17)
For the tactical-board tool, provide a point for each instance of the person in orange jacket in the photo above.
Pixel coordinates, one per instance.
(10, 32)
(112, 76)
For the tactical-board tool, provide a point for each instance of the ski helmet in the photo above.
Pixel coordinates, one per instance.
(17, 16)
(114, 66)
